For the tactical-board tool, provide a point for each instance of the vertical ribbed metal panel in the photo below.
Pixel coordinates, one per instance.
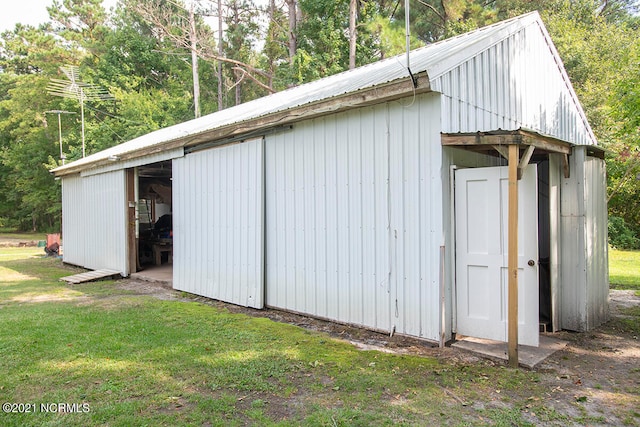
(572, 251)
(73, 220)
(104, 200)
(416, 215)
(596, 242)
(218, 223)
(584, 285)
(353, 214)
(512, 84)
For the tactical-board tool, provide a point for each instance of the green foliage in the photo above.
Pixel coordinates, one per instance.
(601, 53)
(621, 236)
(323, 39)
(31, 199)
(150, 75)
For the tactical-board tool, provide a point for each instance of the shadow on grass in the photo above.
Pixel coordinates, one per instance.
(142, 361)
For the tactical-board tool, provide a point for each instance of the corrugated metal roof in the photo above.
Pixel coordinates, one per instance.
(435, 59)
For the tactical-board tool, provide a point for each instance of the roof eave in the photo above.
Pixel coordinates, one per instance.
(365, 97)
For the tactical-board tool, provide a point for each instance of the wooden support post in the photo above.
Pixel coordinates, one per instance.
(513, 257)
(132, 245)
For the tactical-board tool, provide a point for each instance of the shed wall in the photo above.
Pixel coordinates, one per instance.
(584, 252)
(354, 217)
(512, 84)
(597, 309)
(73, 220)
(218, 223)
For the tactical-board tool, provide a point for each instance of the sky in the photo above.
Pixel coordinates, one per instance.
(32, 12)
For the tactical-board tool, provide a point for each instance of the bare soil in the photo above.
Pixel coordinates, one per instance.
(596, 377)
(10, 242)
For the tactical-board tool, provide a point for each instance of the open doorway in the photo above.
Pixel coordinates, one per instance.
(545, 246)
(154, 220)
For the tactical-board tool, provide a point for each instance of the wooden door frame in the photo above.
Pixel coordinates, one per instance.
(507, 144)
(132, 240)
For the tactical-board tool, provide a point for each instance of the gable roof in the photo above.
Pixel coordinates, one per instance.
(377, 82)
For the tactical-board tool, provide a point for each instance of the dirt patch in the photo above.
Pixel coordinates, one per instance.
(156, 290)
(598, 373)
(16, 241)
(7, 242)
(596, 377)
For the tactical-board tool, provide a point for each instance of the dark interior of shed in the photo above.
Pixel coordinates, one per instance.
(154, 216)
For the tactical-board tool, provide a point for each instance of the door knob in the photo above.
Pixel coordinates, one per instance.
(531, 263)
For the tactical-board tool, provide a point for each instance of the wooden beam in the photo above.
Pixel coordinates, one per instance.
(524, 161)
(565, 166)
(546, 142)
(503, 150)
(542, 142)
(480, 139)
(513, 257)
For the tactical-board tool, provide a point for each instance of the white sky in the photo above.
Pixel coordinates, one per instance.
(31, 12)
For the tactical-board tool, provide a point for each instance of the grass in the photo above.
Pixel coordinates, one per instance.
(624, 269)
(23, 236)
(135, 360)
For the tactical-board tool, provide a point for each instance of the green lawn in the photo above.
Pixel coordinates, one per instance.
(26, 236)
(120, 359)
(624, 269)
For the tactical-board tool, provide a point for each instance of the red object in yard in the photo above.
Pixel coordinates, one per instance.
(53, 238)
(53, 244)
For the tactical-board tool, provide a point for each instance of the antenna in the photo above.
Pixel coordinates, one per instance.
(408, 32)
(78, 90)
(59, 112)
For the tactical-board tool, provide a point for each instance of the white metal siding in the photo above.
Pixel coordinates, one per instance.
(515, 83)
(73, 220)
(353, 213)
(218, 223)
(597, 243)
(106, 223)
(584, 262)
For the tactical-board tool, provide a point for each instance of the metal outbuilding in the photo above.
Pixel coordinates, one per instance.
(374, 199)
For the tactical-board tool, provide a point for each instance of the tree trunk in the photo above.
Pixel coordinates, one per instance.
(220, 54)
(353, 32)
(194, 61)
(293, 23)
(236, 44)
(272, 13)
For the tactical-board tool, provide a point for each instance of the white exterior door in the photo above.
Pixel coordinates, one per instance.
(482, 199)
